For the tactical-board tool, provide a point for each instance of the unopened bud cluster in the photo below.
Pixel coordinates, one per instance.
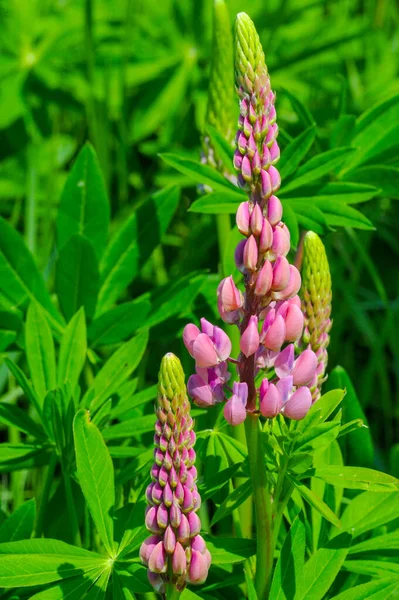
(316, 297)
(268, 314)
(175, 553)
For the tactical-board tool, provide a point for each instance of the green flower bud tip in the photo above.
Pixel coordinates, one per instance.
(249, 56)
(171, 381)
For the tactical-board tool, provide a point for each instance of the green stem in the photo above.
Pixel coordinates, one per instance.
(45, 495)
(172, 593)
(263, 507)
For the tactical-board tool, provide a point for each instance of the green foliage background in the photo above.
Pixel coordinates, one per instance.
(132, 76)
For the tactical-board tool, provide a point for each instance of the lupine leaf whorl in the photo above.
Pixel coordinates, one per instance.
(221, 111)
(316, 295)
(249, 55)
(175, 553)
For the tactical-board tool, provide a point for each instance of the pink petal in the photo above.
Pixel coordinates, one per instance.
(271, 403)
(200, 391)
(276, 334)
(204, 351)
(284, 362)
(249, 342)
(234, 411)
(222, 344)
(304, 368)
(190, 334)
(298, 405)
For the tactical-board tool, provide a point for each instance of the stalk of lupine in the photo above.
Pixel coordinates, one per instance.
(268, 313)
(221, 110)
(175, 553)
(316, 298)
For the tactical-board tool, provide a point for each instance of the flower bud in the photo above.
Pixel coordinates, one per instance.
(266, 236)
(270, 402)
(264, 279)
(239, 255)
(275, 336)
(242, 218)
(281, 273)
(229, 295)
(157, 562)
(246, 169)
(249, 342)
(256, 220)
(179, 562)
(293, 323)
(250, 254)
(266, 184)
(298, 405)
(274, 210)
(304, 368)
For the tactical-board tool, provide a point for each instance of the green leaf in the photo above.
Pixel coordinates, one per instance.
(40, 352)
(19, 525)
(10, 326)
(357, 478)
(14, 457)
(120, 322)
(359, 445)
(24, 383)
(36, 562)
(72, 350)
(218, 203)
(372, 568)
(134, 243)
(315, 502)
(370, 510)
(380, 589)
(15, 417)
(383, 177)
(123, 407)
(308, 215)
(317, 167)
(20, 281)
(130, 428)
(342, 215)
(291, 220)
(233, 501)
(116, 371)
(77, 277)
(199, 173)
(296, 151)
(227, 551)
(289, 568)
(337, 191)
(84, 206)
(317, 436)
(323, 567)
(223, 150)
(387, 541)
(251, 591)
(305, 116)
(73, 588)
(321, 410)
(96, 476)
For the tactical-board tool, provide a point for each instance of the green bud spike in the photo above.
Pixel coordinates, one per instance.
(221, 112)
(249, 55)
(171, 381)
(316, 295)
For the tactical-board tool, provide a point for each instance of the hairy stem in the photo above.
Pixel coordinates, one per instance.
(263, 507)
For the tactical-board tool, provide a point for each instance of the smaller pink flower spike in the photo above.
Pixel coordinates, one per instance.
(298, 405)
(249, 342)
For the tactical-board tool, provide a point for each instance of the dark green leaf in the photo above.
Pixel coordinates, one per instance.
(40, 352)
(84, 207)
(77, 276)
(218, 203)
(289, 568)
(373, 568)
(19, 525)
(120, 322)
(226, 551)
(296, 151)
(383, 177)
(233, 501)
(15, 417)
(72, 350)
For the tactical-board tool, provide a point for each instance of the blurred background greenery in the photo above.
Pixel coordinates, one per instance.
(132, 77)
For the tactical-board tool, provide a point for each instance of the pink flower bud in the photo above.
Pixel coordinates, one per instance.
(255, 164)
(162, 516)
(249, 342)
(293, 323)
(242, 143)
(183, 530)
(275, 178)
(252, 114)
(256, 221)
(298, 405)
(275, 336)
(198, 543)
(242, 218)
(270, 399)
(198, 570)
(274, 210)
(239, 255)
(266, 236)
(157, 493)
(204, 351)
(251, 148)
(194, 524)
(293, 286)
(284, 362)
(281, 242)
(246, 170)
(179, 561)
(264, 280)
(304, 368)
(157, 582)
(244, 107)
(147, 547)
(281, 273)
(247, 127)
(190, 334)
(188, 503)
(250, 254)
(237, 160)
(266, 184)
(274, 152)
(169, 540)
(265, 157)
(151, 521)
(175, 515)
(200, 391)
(157, 562)
(234, 409)
(167, 495)
(229, 294)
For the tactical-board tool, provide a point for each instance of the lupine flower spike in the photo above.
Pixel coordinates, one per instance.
(175, 553)
(268, 313)
(316, 297)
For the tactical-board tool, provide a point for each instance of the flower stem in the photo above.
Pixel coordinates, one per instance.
(172, 593)
(263, 507)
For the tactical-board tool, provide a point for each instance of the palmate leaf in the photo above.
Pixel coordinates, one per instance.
(96, 476)
(116, 371)
(322, 568)
(120, 322)
(73, 588)
(40, 352)
(39, 561)
(84, 206)
(77, 276)
(19, 525)
(289, 567)
(380, 589)
(20, 281)
(133, 244)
